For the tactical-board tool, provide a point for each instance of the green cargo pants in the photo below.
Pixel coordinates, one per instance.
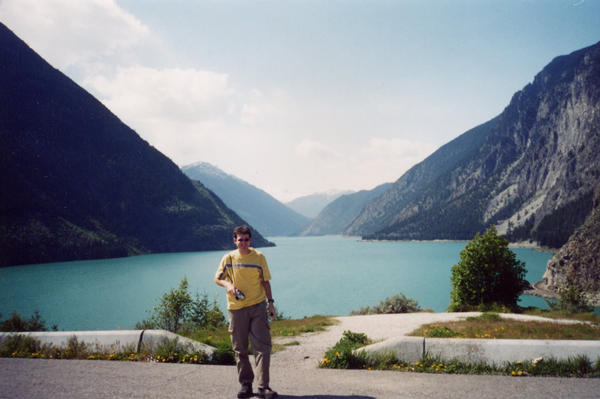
(251, 322)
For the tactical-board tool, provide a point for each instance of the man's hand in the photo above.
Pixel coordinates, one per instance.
(227, 285)
(230, 289)
(272, 311)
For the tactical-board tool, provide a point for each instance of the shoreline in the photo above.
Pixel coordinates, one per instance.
(538, 289)
(512, 244)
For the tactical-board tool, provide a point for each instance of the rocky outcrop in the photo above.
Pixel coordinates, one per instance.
(579, 257)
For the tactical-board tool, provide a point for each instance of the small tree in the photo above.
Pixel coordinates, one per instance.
(174, 307)
(203, 314)
(487, 274)
(17, 323)
(177, 310)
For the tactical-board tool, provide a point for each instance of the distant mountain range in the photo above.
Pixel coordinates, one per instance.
(264, 212)
(340, 213)
(311, 205)
(77, 183)
(531, 170)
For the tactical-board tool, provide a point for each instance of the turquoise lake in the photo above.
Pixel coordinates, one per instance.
(330, 275)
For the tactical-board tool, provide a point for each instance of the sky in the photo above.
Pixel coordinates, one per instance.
(303, 96)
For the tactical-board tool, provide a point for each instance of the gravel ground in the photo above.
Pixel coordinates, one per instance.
(377, 327)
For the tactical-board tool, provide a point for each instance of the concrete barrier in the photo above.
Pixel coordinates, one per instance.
(490, 351)
(114, 340)
(408, 349)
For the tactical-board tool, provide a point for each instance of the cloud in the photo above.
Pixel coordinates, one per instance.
(386, 159)
(85, 30)
(182, 112)
(397, 148)
(309, 148)
(188, 95)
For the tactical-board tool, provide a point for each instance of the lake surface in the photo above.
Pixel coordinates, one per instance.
(330, 275)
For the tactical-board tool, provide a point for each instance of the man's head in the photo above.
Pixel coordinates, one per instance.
(242, 238)
(242, 230)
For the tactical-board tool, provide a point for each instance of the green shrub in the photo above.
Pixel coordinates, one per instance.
(341, 356)
(172, 351)
(19, 346)
(16, 323)
(396, 304)
(224, 354)
(487, 275)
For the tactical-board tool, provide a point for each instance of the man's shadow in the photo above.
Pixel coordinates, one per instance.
(325, 397)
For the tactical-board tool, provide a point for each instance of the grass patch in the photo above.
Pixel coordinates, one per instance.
(492, 326)
(290, 328)
(344, 355)
(590, 317)
(579, 366)
(167, 351)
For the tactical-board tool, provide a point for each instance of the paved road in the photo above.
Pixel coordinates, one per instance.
(294, 374)
(38, 378)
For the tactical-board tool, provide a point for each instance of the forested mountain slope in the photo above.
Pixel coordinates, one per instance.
(77, 183)
(259, 208)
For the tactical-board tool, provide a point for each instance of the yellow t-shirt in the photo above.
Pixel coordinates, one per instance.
(247, 273)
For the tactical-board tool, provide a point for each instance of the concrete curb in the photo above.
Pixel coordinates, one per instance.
(114, 340)
(490, 351)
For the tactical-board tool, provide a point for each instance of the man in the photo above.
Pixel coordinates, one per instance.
(245, 275)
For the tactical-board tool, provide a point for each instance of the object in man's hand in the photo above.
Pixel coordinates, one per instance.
(239, 294)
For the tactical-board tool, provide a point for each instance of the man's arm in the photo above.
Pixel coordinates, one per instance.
(269, 294)
(226, 284)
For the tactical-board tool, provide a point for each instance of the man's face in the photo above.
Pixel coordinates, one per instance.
(243, 242)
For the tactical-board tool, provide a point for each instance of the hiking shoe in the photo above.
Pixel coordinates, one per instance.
(266, 393)
(245, 392)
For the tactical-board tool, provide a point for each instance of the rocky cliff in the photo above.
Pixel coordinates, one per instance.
(579, 257)
(531, 172)
(402, 196)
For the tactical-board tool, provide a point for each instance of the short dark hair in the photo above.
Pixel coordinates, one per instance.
(238, 231)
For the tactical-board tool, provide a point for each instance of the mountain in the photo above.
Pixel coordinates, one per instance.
(577, 259)
(531, 170)
(337, 215)
(311, 205)
(380, 212)
(267, 214)
(77, 183)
